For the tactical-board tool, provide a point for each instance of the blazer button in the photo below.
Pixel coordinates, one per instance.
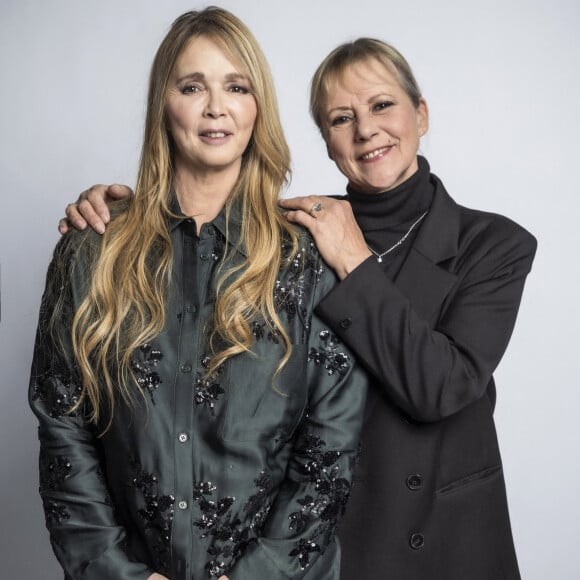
(414, 482)
(185, 368)
(416, 540)
(345, 323)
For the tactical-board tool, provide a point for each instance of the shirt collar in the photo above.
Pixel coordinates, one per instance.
(230, 228)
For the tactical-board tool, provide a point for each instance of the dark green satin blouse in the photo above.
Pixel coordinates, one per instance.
(242, 474)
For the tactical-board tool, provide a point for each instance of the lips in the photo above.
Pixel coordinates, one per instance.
(215, 134)
(375, 153)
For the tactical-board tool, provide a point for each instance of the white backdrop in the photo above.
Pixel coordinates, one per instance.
(502, 81)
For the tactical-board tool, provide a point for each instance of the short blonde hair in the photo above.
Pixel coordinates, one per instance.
(346, 55)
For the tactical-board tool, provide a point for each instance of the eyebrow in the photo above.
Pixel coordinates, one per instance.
(380, 95)
(198, 76)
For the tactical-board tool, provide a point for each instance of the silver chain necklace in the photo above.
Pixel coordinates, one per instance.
(397, 244)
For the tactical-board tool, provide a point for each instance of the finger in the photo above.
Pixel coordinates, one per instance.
(63, 226)
(301, 218)
(74, 218)
(118, 191)
(94, 201)
(86, 210)
(304, 203)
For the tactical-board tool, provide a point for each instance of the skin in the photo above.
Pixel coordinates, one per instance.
(210, 114)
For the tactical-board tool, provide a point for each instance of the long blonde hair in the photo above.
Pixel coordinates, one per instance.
(125, 303)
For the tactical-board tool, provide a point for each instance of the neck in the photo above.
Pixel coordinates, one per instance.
(202, 195)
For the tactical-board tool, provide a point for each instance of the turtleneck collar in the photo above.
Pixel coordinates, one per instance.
(392, 210)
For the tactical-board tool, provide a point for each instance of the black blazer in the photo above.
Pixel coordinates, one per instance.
(429, 501)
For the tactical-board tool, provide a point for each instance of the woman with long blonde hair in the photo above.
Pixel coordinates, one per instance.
(196, 418)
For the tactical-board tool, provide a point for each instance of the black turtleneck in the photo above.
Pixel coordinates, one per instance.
(386, 217)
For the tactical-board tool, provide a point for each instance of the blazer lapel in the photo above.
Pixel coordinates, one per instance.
(421, 278)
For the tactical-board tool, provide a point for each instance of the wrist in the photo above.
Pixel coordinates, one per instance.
(350, 263)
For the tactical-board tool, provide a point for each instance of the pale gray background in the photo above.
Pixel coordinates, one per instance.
(502, 81)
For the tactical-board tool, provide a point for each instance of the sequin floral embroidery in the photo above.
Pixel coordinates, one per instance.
(229, 538)
(207, 391)
(143, 367)
(327, 506)
(157, 514)
(53, 471)
(290, 289)
(334, 360)
(257, 506)
(58, 392)
(55, 512)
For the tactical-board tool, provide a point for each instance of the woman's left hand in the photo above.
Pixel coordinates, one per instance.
(334, 229)
(223, 578)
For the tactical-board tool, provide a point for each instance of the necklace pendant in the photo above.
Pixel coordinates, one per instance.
(380, 259)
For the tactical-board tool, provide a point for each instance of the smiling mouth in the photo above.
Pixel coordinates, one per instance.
(374, 154)
(215, 134)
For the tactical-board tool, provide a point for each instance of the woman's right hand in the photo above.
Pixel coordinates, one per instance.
(91, 207)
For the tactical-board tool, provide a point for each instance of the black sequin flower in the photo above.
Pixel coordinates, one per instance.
(143, 366)
(329, 354)
(326, 506)
(207, 391)
(229, 537)
(57, 390)
(157, 514)
(53, 471)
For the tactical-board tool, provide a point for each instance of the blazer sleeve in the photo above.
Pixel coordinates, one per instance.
(302, 522)
(86, 538)
(432, 371)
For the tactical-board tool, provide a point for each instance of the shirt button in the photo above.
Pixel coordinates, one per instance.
(345, 323)
(183, 437)
(204, 256)
(416, 540)
(190, 309)
(182, 505)
(414, 482)
(185, 368)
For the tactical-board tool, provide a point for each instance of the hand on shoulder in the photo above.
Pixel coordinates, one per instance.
(91, 207)
(333, 226)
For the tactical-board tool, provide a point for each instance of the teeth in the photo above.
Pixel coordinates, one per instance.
(374, 153)
(216, 135)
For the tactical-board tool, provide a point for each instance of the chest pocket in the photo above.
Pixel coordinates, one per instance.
(259, 406)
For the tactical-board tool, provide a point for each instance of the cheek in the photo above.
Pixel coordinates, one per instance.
(336, 148)
(178, 116)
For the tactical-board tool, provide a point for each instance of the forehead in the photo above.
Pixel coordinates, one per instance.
(200, 49)
(362, 80)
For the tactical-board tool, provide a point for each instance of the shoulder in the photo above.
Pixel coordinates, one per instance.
(495, 237)
(78, 247)
(308, 265)
(73, 262)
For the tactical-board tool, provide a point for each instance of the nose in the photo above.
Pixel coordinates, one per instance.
(214, 106)
(365, 127)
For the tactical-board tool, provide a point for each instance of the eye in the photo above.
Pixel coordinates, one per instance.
(190, 89)
(341, 120)
(382, 106)
(240, 89)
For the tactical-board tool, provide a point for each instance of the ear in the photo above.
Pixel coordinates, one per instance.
(422, 117)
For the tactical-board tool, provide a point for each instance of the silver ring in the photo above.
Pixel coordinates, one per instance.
(315, 207)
